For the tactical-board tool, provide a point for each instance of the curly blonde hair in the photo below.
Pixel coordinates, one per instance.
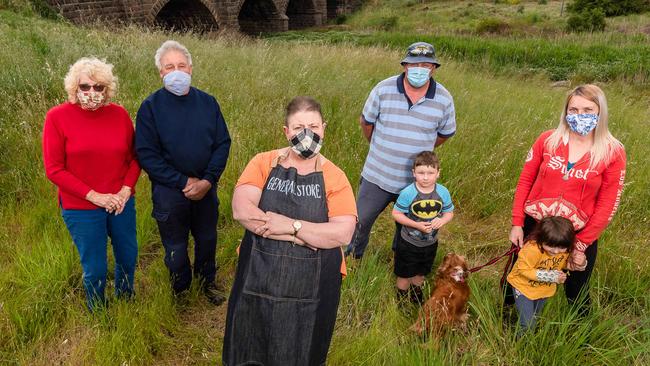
(98, 70)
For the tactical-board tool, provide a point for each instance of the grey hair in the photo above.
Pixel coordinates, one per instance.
(171, 46)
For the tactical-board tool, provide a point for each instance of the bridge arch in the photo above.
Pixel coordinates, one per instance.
(303, 14)
(183, 15)
(256, 16)
(334, 8)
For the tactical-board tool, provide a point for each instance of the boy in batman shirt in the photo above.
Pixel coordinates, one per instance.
(422, 208)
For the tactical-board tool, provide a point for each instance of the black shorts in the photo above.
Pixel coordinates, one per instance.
(411, 260)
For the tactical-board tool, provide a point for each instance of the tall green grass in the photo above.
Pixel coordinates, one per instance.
(577, 58)
(42, 314)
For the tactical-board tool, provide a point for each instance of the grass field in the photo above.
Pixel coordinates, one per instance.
(43, 320)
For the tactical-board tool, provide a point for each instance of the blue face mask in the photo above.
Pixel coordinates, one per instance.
(177, 82)
(417, 76)
(582, 123)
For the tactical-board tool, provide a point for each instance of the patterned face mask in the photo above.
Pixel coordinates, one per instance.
(306, 143)
(90, 100)
(582, 123)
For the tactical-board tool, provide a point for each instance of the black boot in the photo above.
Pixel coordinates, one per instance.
(402, 295)
(214, 294)
(417, 296)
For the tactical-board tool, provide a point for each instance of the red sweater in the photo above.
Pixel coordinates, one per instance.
(88, 150)
(589, 198)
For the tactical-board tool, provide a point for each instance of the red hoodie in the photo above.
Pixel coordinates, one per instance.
(84, 150)
(589, 198)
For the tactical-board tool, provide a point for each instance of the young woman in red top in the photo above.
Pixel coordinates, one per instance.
(575, 171)
(89, 155)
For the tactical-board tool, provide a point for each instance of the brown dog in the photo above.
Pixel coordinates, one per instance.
(447, 307)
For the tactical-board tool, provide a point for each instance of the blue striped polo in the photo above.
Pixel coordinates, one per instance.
(403, 129)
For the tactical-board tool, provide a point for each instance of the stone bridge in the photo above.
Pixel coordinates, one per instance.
(247, 16)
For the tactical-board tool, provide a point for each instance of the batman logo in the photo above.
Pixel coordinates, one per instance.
(426, 209)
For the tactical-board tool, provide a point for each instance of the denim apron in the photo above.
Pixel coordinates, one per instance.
(282, 307)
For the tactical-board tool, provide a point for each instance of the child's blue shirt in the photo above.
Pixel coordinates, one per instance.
(419, 206)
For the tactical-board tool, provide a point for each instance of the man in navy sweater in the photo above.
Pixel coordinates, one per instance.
(182, 142)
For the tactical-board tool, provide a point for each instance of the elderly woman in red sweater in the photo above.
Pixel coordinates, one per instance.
(575, 171)
(89, 155)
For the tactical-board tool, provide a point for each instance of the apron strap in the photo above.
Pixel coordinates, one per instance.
(284, 153)
(318, 164)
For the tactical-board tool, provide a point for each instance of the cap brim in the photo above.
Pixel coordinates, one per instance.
(419, 59)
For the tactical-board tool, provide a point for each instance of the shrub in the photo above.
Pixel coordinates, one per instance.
(534, 18)
(385, 23)
(542, 2)
(610, 7)
(590, 20)
(492, 25)
(42, 8)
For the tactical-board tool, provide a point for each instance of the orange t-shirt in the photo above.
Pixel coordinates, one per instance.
(338, 192)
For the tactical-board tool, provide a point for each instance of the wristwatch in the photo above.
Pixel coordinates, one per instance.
(297, 225)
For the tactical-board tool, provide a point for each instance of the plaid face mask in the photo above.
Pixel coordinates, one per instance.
(306, 143)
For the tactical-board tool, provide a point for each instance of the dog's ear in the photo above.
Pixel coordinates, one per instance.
(444, 266)
(441, 270)
(464, 262)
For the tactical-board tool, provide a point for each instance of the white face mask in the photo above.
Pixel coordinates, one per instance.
(177, 82)
(90, 100)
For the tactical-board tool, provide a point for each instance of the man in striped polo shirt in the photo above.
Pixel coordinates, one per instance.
(403, 115)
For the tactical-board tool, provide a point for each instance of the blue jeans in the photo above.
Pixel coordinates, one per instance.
(528, 311)
(90, 230)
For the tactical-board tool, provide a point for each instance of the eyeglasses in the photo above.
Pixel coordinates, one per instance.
(421, 51)
(96, 87)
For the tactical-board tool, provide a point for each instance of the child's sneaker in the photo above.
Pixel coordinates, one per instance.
(417, 296)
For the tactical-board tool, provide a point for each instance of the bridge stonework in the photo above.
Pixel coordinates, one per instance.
(247, 16)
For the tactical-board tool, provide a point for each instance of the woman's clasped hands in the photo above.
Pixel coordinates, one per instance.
(112, 203)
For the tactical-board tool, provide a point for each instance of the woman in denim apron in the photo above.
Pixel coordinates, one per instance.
(298, 210)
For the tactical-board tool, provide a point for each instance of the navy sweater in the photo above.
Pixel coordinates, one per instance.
(180, 137)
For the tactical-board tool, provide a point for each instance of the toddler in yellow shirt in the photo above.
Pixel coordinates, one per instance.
(538, 269)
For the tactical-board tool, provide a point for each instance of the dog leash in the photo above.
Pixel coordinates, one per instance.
(513, 249)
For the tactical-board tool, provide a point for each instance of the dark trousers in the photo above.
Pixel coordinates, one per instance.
(371, 201)
(177, 217)
(576, 286)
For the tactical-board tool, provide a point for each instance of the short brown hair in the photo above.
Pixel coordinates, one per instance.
(426, 158)
(301, 104)
(554, 231)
